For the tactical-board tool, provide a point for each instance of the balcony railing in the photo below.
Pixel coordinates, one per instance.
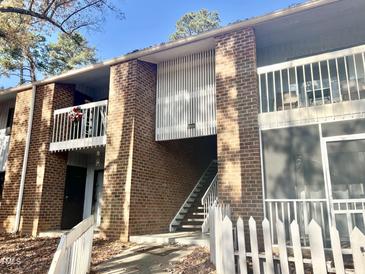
(317, 80)
(88, 131)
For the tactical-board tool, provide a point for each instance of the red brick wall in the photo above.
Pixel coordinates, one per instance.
(45, 177)
(145, 182)
(119, 151)
(237, 125)
(15, 160)
(163, 173)
(55, 168)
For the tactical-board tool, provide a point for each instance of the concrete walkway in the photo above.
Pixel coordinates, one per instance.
(181, 238)
(144, 259)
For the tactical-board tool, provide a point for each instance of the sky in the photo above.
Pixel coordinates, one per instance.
(149, 22)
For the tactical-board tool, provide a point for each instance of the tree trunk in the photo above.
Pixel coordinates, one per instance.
(21, 75)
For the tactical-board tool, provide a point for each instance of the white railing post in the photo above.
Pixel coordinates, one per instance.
(300, 210)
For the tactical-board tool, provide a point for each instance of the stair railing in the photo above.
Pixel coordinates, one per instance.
(175, 220)
(209, 198)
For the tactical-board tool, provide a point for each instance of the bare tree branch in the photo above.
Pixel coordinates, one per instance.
(33, 14)
(80, 10)
(66, 15)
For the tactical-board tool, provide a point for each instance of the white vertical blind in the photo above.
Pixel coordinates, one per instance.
(186, 97)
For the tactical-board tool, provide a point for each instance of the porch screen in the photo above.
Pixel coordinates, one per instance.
(343, 128)
(292, 163)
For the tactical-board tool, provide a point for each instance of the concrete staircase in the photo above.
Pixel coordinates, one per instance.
(191, 215)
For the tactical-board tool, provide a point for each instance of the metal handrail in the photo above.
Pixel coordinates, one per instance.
(174, 222)
(211, 191)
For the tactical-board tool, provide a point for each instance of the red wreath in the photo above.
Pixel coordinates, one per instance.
(75, 114)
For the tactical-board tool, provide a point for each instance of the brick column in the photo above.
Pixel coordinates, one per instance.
(145, 182)
(237, 124)
(119, 151)
(15, 160)
(45, 177)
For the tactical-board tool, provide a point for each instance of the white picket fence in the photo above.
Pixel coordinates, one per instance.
(73, 254)
(229, 254)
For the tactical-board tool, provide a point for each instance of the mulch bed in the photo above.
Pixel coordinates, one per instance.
(23, 254)
(197, 262)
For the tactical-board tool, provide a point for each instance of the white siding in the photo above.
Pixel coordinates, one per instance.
(4, 139)
(186, 97)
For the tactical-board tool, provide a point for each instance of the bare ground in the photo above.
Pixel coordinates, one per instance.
(197, 262)
(24, 254)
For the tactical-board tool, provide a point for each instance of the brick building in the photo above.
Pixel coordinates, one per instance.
(265, 115)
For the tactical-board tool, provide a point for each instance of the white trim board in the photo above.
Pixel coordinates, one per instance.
(312, 115)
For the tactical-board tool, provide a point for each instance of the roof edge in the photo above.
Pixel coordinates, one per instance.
(170, 45)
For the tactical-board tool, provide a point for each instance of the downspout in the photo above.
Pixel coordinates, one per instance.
(25, 162)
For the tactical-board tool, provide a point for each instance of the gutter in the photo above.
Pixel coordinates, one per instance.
(171, 45)
(25, 162)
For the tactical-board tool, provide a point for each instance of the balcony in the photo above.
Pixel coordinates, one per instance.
(313, 89)
(85, 131)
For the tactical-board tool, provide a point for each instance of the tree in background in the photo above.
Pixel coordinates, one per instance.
(68, 16)
(26, 52)
(193, 23)
(20, 49)
(66, 54)
(27, 28)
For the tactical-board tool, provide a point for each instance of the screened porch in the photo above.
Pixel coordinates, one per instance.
(316, 172)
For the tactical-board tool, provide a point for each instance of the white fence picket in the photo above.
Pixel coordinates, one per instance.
(241, 246)
(269, 263)
(222, 237)
(227, 245)
(218, 240)
(316, 248)
(283, 253)
(358, 245)
(336, 250)
(212, 231)
(254, 246)
(297, 249)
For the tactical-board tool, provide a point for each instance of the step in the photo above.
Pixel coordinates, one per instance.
(197, 224)
(195, 214)
(195, 220)
(187, 229)
(192, 226)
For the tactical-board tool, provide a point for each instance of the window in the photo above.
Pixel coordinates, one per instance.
(2, 179)
(9, 121)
